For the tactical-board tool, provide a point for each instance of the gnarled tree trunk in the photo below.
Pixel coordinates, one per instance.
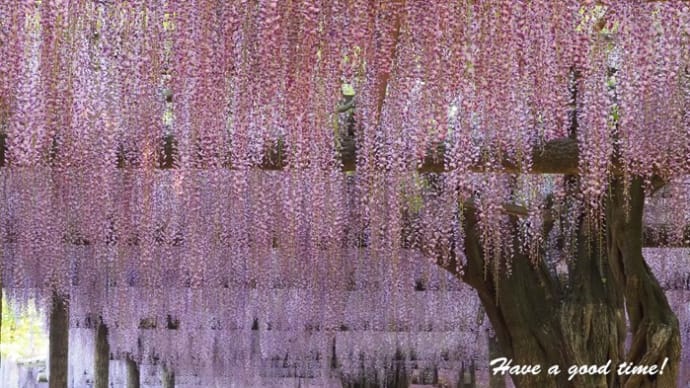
(654, 326)
(542, 319)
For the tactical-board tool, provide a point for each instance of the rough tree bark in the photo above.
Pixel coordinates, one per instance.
(654, 326)
(542, 319)
(101, 356)
(59, 340)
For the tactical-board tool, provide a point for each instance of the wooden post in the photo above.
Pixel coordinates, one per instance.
(101, 356)
(467, 378)
(495, 380)
(168, 377)
(59, 342)
(133, 379)
(255, 343)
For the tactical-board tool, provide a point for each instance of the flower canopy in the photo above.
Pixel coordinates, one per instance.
(168, 144)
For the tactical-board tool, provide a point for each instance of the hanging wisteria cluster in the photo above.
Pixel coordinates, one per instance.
(90, 86)
(139, 134)
(218, 332)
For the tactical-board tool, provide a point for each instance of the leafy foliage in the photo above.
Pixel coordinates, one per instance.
(23, 332)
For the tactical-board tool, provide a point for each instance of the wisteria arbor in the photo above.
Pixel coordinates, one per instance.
(514, 143)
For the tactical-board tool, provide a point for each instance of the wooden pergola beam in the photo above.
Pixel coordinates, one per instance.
(558, 156)
(654, 236)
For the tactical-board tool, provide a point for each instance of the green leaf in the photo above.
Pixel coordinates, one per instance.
(348, 90)
(23, 334)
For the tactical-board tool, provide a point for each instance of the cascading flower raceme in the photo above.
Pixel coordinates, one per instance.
(190, 154)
